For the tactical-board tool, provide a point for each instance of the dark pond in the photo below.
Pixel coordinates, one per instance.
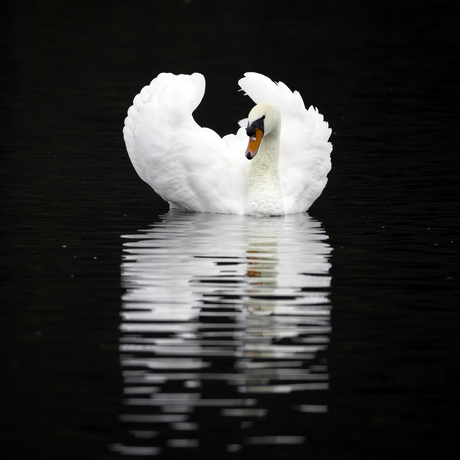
(129, 331)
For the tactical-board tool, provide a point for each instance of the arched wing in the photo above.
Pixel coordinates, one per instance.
(192, 168)
(304, 151)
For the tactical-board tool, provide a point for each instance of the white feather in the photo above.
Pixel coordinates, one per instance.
(194, 169)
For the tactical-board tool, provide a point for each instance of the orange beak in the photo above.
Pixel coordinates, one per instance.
(254, 143)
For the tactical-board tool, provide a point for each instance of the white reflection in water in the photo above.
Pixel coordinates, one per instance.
(222, 316)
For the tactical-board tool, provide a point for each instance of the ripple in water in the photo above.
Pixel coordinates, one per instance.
(224, 326)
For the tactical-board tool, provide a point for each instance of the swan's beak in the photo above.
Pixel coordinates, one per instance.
(254, 143)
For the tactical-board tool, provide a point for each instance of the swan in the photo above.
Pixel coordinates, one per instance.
(194, 169)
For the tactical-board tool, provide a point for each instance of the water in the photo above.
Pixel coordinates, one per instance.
(129, 331)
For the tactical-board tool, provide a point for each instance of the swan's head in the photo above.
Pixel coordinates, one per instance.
(262, 120)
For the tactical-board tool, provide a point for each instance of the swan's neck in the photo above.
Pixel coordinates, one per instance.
(264, 196)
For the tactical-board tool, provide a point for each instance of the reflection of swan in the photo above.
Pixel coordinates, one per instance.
(220, 312)
(194, 169)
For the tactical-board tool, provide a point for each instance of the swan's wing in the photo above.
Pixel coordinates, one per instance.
(192, 168)
(304, 151)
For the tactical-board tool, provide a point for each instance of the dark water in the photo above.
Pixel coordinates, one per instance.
(130, 331)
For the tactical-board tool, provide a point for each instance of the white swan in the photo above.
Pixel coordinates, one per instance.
(194, 169)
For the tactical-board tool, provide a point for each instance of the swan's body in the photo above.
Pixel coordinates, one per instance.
(194, 169)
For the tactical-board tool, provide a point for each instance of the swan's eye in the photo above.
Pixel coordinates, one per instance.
(251, 129)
